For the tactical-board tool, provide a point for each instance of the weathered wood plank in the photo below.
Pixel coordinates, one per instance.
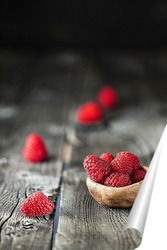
(136, 126)
(47, 90)
(84, 224)
(42, 107)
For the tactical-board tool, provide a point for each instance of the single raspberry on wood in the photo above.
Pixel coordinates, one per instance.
(108, 157)
(107, 97)
(96, 168)
(34, 149)
(89, 113)
(37, 204)
(117, 179)
(125, 162)
(137, 175)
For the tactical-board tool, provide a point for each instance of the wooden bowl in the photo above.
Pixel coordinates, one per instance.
(112, 196)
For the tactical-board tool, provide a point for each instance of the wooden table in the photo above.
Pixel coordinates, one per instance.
(40, 92)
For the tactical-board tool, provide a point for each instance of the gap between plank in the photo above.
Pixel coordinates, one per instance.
(66, 157)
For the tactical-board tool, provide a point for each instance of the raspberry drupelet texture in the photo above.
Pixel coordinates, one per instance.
(137, 175)
(117, 179)
(125, 162)
(108, 157)
(37, 204)
(96, 168)
(34, 149)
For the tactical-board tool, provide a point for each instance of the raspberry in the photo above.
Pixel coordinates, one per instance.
(107, 157)
(107, 97)
(137, 175)
(89, 113)
(37, 204)
(96, 168)
(117, 179)
(34, 149)
(125, 162)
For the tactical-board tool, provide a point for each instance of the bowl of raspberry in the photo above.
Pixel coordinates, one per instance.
(114, 181)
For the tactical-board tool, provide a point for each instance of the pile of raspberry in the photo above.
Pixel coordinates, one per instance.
(122, 170)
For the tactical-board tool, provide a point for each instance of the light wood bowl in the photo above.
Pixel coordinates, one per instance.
(121, 197)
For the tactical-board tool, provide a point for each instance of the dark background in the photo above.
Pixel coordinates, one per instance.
(114, 24)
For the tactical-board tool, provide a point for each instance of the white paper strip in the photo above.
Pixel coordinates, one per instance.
(148, 213)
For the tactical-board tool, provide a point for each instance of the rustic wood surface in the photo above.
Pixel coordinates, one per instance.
(40, 92)
(29, 105)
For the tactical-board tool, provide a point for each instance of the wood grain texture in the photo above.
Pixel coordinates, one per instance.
(41, 93)
(37, 104)
(84, 224)
(135, 126)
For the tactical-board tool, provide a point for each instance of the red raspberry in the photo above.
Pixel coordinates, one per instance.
(34, 149)
(37, 204)
(137, 175)
(108, 157)
(117, 179)
(125, 162)
(96, 168)
(89, 113)
(107, 97)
